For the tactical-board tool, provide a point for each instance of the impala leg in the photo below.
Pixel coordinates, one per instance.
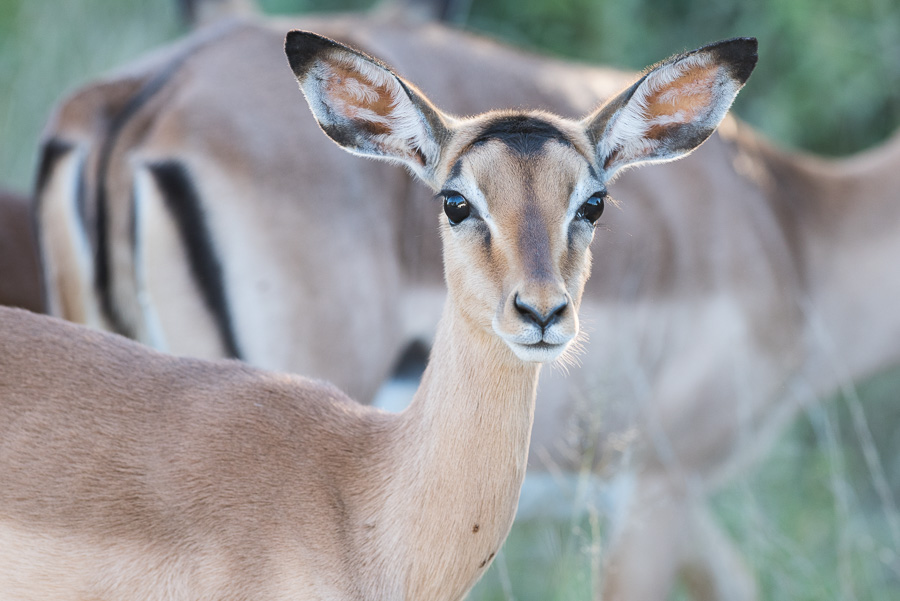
(643, 554)
(712, 567)
(665, 533)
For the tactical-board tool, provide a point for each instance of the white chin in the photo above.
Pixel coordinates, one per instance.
(537, 353)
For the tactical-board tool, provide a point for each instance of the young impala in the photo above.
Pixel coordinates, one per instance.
(131, 474)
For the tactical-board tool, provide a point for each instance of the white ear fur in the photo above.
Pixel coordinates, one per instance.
(673, 108)
(367, 109)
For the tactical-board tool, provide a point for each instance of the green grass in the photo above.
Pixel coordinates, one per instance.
(547, 559)
(809, 519)
(48, 48)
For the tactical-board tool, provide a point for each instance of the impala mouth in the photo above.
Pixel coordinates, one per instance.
(533, 344)
(538, 352)
(543, 345)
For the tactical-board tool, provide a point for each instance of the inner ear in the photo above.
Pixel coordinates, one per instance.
(673, 108)
(365, 107)
(363, 103)
(683, 98)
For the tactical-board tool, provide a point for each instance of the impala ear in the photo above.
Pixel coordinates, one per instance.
(673, 108)
(364, 107)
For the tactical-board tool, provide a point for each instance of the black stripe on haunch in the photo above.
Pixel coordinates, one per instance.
(52, 151)
(117, 123)
(183, 203)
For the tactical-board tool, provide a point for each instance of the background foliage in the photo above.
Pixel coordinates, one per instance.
(828, 78)
(810, 518)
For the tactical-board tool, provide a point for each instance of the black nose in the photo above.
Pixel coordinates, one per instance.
(541, 319)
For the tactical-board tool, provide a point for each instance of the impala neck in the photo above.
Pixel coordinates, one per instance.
(463, 444)
(849, 222)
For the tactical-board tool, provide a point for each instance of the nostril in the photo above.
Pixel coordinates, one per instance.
(557, 311)
(541, 319)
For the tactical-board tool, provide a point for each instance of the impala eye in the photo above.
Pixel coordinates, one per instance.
(456, 208)
(592, 208)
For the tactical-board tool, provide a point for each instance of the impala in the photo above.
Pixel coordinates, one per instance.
(733, 286)
(127, 472)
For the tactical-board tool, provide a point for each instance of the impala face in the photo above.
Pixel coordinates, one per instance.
(521, 190)
(520, 205)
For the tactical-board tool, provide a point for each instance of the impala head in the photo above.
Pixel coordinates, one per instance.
(522, 190)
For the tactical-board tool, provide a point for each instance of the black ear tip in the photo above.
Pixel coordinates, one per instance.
(739, 53)
(301, 47)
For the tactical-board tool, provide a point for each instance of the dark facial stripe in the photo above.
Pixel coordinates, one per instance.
(456, 169)
(521, 133)
(534, 238)
(183, 202)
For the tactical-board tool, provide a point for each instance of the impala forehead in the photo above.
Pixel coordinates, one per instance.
(503, 182)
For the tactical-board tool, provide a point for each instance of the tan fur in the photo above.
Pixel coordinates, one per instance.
(20, 275)
(127, 472)
(166, 477)
(163, 477)
(281, 214)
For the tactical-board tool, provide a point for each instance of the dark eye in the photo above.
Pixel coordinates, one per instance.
(592, 208)
(456, 208)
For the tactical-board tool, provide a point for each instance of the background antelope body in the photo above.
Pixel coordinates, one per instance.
(20, 276)
(673, 299)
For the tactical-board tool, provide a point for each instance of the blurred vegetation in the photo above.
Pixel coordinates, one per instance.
(811, 521)
(48, 48)
(814, 520)
(828, 78)
(817, 519)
